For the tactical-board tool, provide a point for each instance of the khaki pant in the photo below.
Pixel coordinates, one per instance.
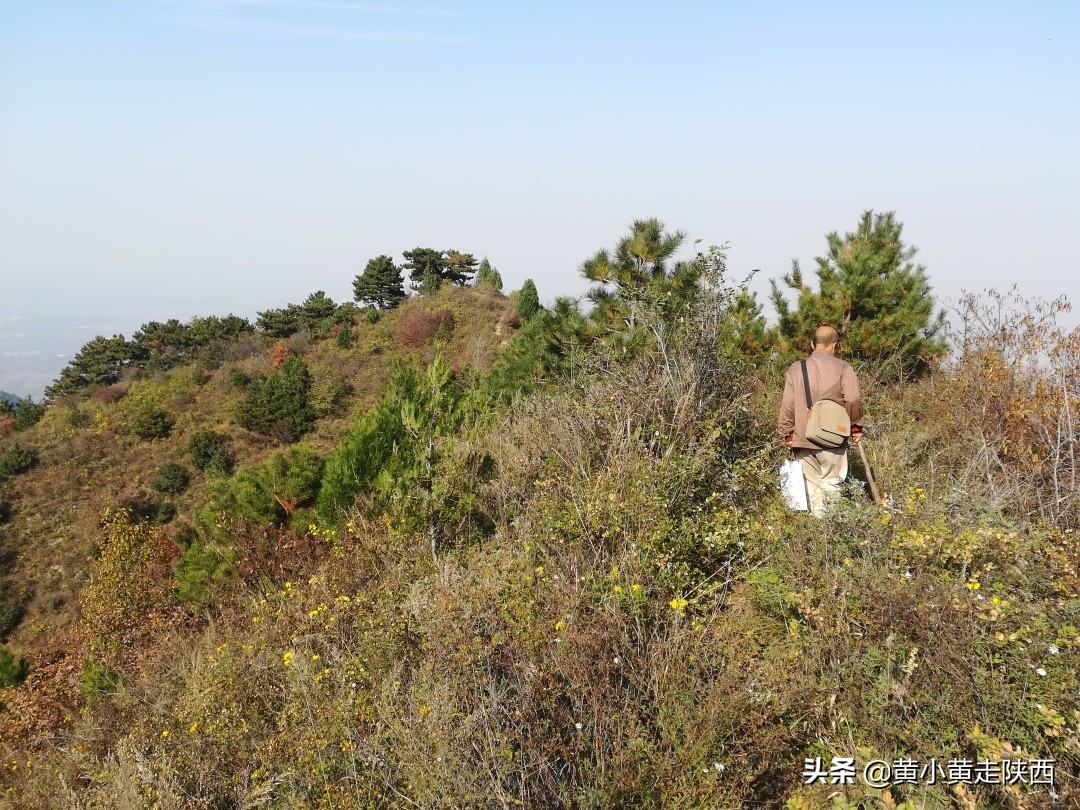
(825, 470)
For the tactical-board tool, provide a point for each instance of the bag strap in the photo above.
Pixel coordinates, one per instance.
(806, 384)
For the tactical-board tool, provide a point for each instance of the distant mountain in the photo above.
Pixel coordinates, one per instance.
(6, 397)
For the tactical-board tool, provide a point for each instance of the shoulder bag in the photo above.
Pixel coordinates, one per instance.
(827, 422)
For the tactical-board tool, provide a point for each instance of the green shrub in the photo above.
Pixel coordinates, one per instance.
(150, 422)
(96, 681)
(239, 379)
(28, 413)
(269, 492)
(277, 405)
(208, 452)
(365, 449)
(199, 569)
(345, 336)
(17, 459)
(171, 479)
(12, 672)
(528, 303)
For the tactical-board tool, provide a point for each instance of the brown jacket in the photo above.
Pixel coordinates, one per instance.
(830, 378)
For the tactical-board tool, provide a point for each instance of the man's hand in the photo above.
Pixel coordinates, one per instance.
(856, 433)
(789, 440)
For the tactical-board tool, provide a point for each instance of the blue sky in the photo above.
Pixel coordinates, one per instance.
(164, 158)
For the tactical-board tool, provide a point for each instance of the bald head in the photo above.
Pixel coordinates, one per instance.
(825, 336)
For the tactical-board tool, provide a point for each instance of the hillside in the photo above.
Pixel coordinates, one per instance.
(478, 565)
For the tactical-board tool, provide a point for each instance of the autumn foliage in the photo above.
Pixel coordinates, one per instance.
(278, 351)
(419, 328)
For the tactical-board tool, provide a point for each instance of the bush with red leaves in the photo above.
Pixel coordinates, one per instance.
(107, 394)
(419, 328)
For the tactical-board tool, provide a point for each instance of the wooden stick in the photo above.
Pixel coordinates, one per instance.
(869, 475)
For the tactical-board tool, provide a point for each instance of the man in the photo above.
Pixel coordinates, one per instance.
(825, 468)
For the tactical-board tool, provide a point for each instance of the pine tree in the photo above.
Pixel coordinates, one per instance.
(459, 266)
(28, 413)
(279, 404)
(99, 362)
(744, 331)
(317, 312)
(488, 277)
(869, 289)
(280, 323)
(380, 285)
(636, 272)
(427, 268)
(528, 303)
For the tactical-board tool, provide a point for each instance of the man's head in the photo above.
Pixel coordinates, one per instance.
(826, 338)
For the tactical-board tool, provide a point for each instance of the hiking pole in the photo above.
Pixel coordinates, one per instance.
(869, 475)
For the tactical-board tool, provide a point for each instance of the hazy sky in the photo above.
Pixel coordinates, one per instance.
(178, 157)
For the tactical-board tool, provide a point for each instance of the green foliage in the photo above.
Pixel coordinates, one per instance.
(213, 327)
(150, 422)
(209, 453)
(745, 332)
(487, 277)
(428, 268)
(871, 291)
(279, 323)
(425, 265)
(365, 449)
(528, 302)
(96, 681)
(427, 486)
(159, 346)
(345, 337)
(459, 266)
(639, 259)
(428, 284)
(12, 671)
(99, 362)
(380, 285)
(278, 404)
(641, 625)
(545, 347)
(637, 280)
(162, 345)
(171, 479)
(269, 492)
(28, 413)
(200, 569)
(317, 314)
(17, 459)
(405, 456)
